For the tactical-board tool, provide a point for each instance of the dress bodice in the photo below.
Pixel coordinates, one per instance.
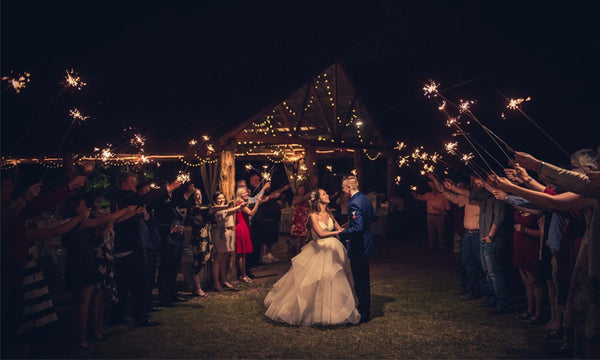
(324, 227)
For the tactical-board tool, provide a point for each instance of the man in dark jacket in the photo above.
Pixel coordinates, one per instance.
(131, 237)
(170, 227)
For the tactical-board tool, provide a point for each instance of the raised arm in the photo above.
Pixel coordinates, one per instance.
(570, 180)
(44, 234)
(90, 223)
(563, 202)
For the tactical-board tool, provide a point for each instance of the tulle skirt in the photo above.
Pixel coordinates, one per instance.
(318, 288)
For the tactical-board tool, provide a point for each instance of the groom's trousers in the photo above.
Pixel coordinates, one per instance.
(362, 285)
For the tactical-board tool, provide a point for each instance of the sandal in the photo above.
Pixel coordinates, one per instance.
(524, 316)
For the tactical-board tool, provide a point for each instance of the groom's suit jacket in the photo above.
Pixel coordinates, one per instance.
(360, 215)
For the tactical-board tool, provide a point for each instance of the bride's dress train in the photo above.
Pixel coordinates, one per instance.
(318, 288)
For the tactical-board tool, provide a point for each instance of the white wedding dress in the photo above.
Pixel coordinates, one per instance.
(318, 288)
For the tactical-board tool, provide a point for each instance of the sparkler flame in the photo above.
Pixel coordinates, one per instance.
(443, 106)
(451, 121)
(183, 177)
(249, 167)
(398, 179)
(18, 82)
(465, 105)
(404, 160)
(513, 104)
(73, 80)
(76, 115)
(431, 89)
(266, 176)
(399, 145)
(138, 140)
(193, 142)
(467, 157)
(144, 159)
(354, 172)
(205, 137)
(329, 168)
(451, 147)
(413, 188)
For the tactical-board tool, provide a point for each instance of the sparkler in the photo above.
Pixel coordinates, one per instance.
(399, 145)
(354, 172)
(183, 177)
(413, 188)
(513, 104)
(138, 140)
(431, 89)
(193, 142)
(18, 82)
(76, 115)
(73, 80)
(329, 168)
(398, 179)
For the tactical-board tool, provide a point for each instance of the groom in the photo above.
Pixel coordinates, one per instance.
(359, 242)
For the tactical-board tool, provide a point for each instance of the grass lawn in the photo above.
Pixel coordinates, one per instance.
(416, 314)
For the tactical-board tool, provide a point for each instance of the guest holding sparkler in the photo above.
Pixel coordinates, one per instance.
(22, 278)
(437, 208)
(170, 228)
(197, 217)
(223, 236)
(82, 268)
(130, 235)
(582, 312)
(475, 282)
(492, 233)
(244, 242)
(299, 218)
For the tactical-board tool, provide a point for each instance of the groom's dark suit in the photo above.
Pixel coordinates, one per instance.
(360, 249)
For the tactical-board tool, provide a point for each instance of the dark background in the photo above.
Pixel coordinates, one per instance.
(177, 70)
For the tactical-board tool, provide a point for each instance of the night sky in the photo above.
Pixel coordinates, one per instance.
(177, 70)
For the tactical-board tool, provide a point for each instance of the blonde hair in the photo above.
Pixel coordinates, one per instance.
(238, 194)
(352, 182)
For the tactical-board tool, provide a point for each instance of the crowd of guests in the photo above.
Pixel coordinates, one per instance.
(121, 245)
(546, 231)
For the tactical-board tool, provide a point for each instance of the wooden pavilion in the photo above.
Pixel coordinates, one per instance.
(325, 118)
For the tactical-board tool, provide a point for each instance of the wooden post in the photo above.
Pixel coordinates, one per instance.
(310, 160)
(359, 168)
(227, 176)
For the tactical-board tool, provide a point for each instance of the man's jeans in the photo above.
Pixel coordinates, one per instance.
(475, 281)
(491, 263)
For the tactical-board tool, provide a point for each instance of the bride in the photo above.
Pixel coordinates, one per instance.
(318, 288)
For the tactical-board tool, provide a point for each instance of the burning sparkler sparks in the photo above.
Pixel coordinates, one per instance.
(73, 80)
(403, 160)
(443, 106)
(183, 177)
(465, 105)
(451, 122)
(266, 176)
(354, 172)
(398, 179)
(467, 157)
(413, 188)
(248, 167)
(144, 159)
(329, 168)
(138, 140)
(399, 145)
(451, 147)
(193, 142)
(18, 82)
(205, 137)
(431, 89)
(104, 154)
(513, 104)
(76, 115)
